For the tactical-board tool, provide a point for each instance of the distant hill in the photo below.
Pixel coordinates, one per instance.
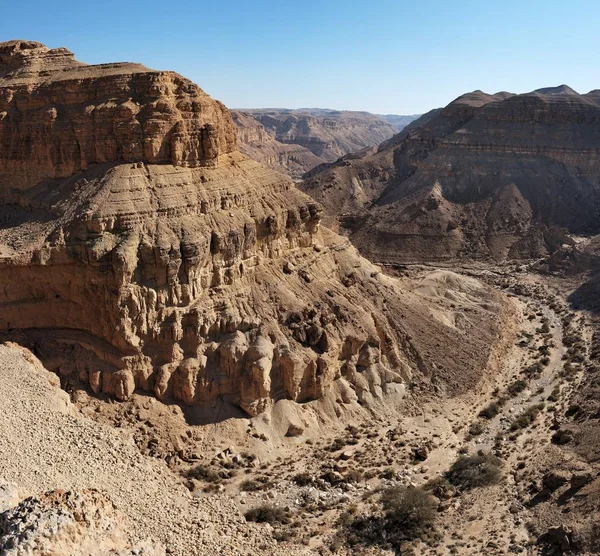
(498, 176)
(399, 122)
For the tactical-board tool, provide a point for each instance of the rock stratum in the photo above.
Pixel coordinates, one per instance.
(139, 250)
(296, 141)
(489, 176)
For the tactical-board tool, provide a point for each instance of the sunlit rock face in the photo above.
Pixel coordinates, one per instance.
(140, 250)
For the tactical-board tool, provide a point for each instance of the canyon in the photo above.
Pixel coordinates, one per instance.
(296, 141)
(146, 253)
(193, 361)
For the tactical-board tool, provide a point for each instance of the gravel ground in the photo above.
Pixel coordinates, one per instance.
(45, 445)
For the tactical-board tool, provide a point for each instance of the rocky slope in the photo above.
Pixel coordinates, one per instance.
(305, 138)
(140, 250)
(69, 485)
(489, 176)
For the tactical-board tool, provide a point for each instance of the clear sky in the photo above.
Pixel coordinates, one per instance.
(384, 56)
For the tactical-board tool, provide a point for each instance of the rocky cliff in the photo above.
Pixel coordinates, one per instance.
(308, 137)
(498, 176)
(140, 250)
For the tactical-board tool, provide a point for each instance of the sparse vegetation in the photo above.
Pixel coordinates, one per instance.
(527, 417)
(205, 473)
(490, 411)
(253, 485)
(411, 508)
(407, 513)
(476, 428)
(516, 387)
(303, 479)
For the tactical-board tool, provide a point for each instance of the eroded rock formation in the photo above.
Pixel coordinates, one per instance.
(140, 250)
(489, 176)
(59, 116)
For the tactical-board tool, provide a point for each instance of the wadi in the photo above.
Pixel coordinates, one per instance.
(286, 331)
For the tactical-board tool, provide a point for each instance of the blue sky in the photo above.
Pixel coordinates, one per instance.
(381, 55)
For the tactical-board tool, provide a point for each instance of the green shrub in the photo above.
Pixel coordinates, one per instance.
(410, 508)
(516, 387)
(205, 473)
(476, 429)
(527, 417)
(407, 514)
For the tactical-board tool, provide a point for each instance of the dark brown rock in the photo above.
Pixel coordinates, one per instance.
(493, 176)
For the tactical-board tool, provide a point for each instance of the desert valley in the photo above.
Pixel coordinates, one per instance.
(294, 331)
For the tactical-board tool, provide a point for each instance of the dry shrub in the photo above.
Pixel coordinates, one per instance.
(475, 471)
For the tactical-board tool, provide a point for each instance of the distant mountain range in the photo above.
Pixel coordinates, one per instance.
(295, 141)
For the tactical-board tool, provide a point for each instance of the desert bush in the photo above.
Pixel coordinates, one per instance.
(534, 370)
(554, 395)
(475, 471)
(476, 428)
(336, 445)
(267, 514)
(387, 473)
(353, 476)
(490, 411)
(516, 387)
(410, 508)
(303, 479)
(407, 513)
(253, 485)
(205, 473)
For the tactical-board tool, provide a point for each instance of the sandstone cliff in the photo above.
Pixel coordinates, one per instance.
(140, 250)
(498, 176)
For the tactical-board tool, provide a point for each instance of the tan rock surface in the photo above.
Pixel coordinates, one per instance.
(188, 270)
(59, 116)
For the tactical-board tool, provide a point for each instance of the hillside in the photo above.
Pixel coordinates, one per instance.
(489, 176)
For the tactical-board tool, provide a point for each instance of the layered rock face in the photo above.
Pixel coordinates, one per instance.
(297, 141)
(140, 250)
(59, 116)
(498, 176)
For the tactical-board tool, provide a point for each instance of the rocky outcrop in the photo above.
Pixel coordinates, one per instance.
(59, 117)
(140, 250)
(296, 141)
(68, 522)
(489, 176)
